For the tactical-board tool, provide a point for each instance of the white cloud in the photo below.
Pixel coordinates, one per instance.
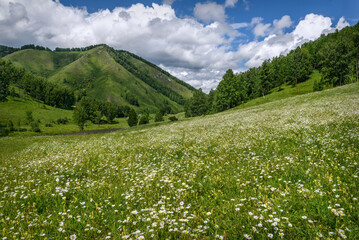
(195, 52)
(239, 25)
(230, 3)
(312, 26)
(261, 30)
(277, 43)
(256, 20)
(209, 12)
(279, 25)
(342, 23)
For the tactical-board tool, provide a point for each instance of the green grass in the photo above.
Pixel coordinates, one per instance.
(287, 90)
(287, 168)
(15, 109)
(98, 72)
(45, 63)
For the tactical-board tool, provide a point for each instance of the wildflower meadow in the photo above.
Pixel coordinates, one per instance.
(281, 170)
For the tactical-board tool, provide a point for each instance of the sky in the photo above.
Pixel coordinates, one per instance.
(196, 41)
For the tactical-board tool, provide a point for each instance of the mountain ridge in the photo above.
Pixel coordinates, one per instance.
(107, 74)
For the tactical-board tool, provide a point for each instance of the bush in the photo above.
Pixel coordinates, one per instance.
(4, 132)
(144, 119)
(173, 118)
(12, 92)
(10, 126)
(29, 117)
(159, 117)
(318, 86)
(48, 124)
(64, 120)
(132, 118)
(35, 126)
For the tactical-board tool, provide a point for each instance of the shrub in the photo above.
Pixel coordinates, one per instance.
(173, 118)
(4, 132)
(63, 120)
(10, 126)
(35, 126)
(29, 117)
(48, 124)
(159, 117)
(318, 86)
(12, 92)
(144, 119)
(132, 118)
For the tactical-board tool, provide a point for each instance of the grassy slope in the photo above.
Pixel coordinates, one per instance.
(286, 92)
(45, 63)
(182, 90)
(107, 79)
(110, 80)
(285, 167)
(15, 109)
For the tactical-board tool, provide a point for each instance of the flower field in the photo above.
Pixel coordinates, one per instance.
(281, 170)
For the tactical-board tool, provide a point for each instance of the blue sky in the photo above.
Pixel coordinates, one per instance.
(197, 41)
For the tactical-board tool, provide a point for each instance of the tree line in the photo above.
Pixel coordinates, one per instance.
(159, 69)
(122, 58)
(37, 87)
(335, 56)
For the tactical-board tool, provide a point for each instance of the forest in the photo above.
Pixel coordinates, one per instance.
(335, 56)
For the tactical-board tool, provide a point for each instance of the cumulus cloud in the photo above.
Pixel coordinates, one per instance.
(209, 12)
(194, 52)
(342, 23)
(312, 26)
(262, 30)
(281, 24)
(277, 43)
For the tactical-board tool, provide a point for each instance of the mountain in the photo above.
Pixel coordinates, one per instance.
(107, 74)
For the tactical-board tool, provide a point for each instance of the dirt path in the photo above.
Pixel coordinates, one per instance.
(90, 132)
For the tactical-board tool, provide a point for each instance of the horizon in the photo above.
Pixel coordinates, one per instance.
(194, 41)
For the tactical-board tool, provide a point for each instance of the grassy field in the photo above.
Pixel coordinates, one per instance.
(287, 90)
(15, 110)
(285, 169)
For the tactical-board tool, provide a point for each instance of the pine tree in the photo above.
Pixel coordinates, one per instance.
(159, 117)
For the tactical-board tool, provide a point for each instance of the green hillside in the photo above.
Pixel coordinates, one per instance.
(44, 63)
(286, 169)
(286, 90)
(330, 61)
(15, 109)
(97, 71)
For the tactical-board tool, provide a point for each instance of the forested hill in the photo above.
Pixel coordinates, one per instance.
(335, 56)
(103, 73)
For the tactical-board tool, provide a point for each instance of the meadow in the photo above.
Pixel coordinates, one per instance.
(287, 169)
